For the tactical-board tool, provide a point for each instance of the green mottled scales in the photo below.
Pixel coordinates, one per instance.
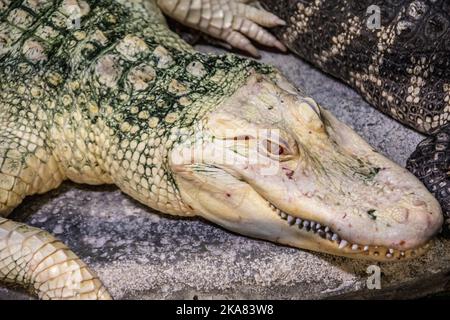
(120, 79)
(96, 92)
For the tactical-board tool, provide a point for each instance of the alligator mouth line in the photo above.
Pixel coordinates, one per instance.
(326, 233)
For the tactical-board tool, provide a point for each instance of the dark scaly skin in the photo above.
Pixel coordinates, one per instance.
(403, 68)
(431, 163)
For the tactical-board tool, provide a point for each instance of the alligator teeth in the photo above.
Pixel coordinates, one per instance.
(327, 229)
(313, 224)
(290, 220)
(305, 223)
(283, 215)
(391, 251)
(366, 248)
(389, 255)
(335, 237)
(342, 244)
(298, 221)
(318, 226)
(355, 247)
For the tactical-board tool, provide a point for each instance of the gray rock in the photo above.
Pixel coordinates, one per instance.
(140, 254)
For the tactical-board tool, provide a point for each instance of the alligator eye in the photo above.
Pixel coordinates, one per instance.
(274, 148)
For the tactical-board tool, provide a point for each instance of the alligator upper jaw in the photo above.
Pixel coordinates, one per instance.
(325, 239)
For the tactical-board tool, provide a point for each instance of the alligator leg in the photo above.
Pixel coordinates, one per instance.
(36, 260)
(232, 21)
(31, 257)
(430, 162)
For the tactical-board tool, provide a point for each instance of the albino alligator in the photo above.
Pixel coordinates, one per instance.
(101, 92)
(395, 53)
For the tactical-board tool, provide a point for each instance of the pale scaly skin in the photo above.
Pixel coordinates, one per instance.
(122, 100)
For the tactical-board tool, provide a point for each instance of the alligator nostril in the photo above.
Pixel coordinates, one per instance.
(419, 203)
(400, 215)
(289, 173)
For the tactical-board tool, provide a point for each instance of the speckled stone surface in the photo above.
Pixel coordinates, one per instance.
(140, 254)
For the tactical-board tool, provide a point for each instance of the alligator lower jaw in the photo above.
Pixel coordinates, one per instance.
(345, 247)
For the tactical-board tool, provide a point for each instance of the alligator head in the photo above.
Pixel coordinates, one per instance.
(270, 163)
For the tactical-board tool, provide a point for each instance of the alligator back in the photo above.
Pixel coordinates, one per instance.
(108, 89)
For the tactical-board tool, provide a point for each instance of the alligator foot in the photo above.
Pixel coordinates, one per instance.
(233, 21)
